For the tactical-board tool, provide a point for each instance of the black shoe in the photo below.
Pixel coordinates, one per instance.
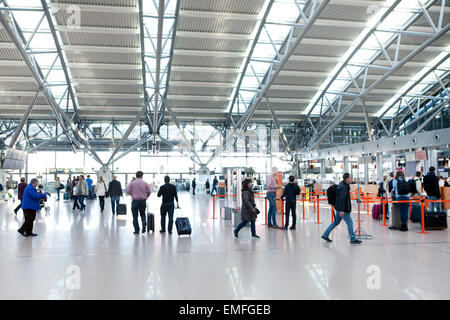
(136, 232)
(255, 236)
(292, 228)
(236, 234)
(32, 235)
(356, 241)
(15, 212)
(403, 228)
(162, 231)
(327, 239)
(269, 226)
(22, 233)
(284, 228)
(144, 228)
(170, 232)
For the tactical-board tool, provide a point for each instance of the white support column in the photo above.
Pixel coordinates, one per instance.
(322, 169)
(346, 168)
(366, 170)
(393, 162)
(379, 166)
(432, 159)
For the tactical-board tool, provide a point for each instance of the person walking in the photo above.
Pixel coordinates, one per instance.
(89, 183)
(115, 192)
(272, 188)
(431, 187)
(342, 210)
(214, 185)
(82, 192)
(139, 191)
(290, 193)
(102, 192)
(169, 193)
(207, 186)
(249, 212)
(20, 189)
(30, 205)
(194, 184)
(401, 191)
(57, 188)
(73, 194)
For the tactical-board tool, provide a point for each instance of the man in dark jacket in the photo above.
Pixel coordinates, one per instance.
(214, 185)
(115, 192)
(30, 204)
(431, 187)
(290, 193)
(194, 184)
(20, 189)
(169, 193)
(342, 208)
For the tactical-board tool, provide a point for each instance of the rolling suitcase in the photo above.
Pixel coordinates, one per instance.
(150, 222)
(183, 226)
(435, 220)
(66, 196)
(395, 215)
(376, 212)
(122, 208)
(416, 213)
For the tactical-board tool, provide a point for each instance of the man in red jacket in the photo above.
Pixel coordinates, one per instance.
(20, 188)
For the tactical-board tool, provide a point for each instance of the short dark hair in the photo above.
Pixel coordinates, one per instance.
(139, 174)
(391, 174)
(399, 174)
(346, 176)
(432, 169)
(22, 179)
(291, 178)
(418, 174)
(166, 179)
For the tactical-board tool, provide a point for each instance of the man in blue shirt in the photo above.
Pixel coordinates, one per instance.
(89, 182)
(30, 204)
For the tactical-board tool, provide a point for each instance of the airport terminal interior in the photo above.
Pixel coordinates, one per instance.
(273, 120)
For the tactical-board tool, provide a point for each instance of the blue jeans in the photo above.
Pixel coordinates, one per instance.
(58, 192)
(81, 201)
(115, 203)
(337, 219)
(272, 212)
(214, 188)
(403, 209)
(434, 205)
(244, 223)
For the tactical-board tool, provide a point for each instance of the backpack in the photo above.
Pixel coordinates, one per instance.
(331, 194)
(412, 186)
(402, 187)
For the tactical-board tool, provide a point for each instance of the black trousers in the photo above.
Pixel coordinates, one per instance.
(138, 208)
(291, 207)
(27, 226)
(101, 199)
(18, 207)
(167, 208)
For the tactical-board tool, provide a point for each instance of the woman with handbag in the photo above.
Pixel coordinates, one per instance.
(102, 192)
(249, 212)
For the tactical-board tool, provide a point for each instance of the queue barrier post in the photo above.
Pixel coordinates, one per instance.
(332, 213)
(318, 210)
(303, 206)
(265, 210)
(422, 209)
(282, 212)
(214, 206)
(383, 204)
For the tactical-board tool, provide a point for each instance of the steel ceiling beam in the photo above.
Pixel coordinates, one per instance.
(330, 127)
(243, 121)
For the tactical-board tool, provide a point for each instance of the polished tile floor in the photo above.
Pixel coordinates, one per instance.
(96, 256)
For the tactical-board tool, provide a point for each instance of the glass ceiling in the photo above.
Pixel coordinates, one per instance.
(42, 46)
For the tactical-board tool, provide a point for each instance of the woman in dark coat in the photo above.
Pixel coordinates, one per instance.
(248, 209)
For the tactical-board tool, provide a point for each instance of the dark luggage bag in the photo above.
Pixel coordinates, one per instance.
(66, 196)
(150, 222)
(416, 213)
(377, 212)
(122, 208)
(183, 226)
(435, 220)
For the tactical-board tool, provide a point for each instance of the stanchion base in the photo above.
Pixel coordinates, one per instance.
(423, 232)
(361, 234)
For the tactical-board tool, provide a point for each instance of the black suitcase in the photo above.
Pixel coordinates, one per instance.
(435, 220)
(416, 213)
(183, 226)
(122, 208)
(150, 222)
